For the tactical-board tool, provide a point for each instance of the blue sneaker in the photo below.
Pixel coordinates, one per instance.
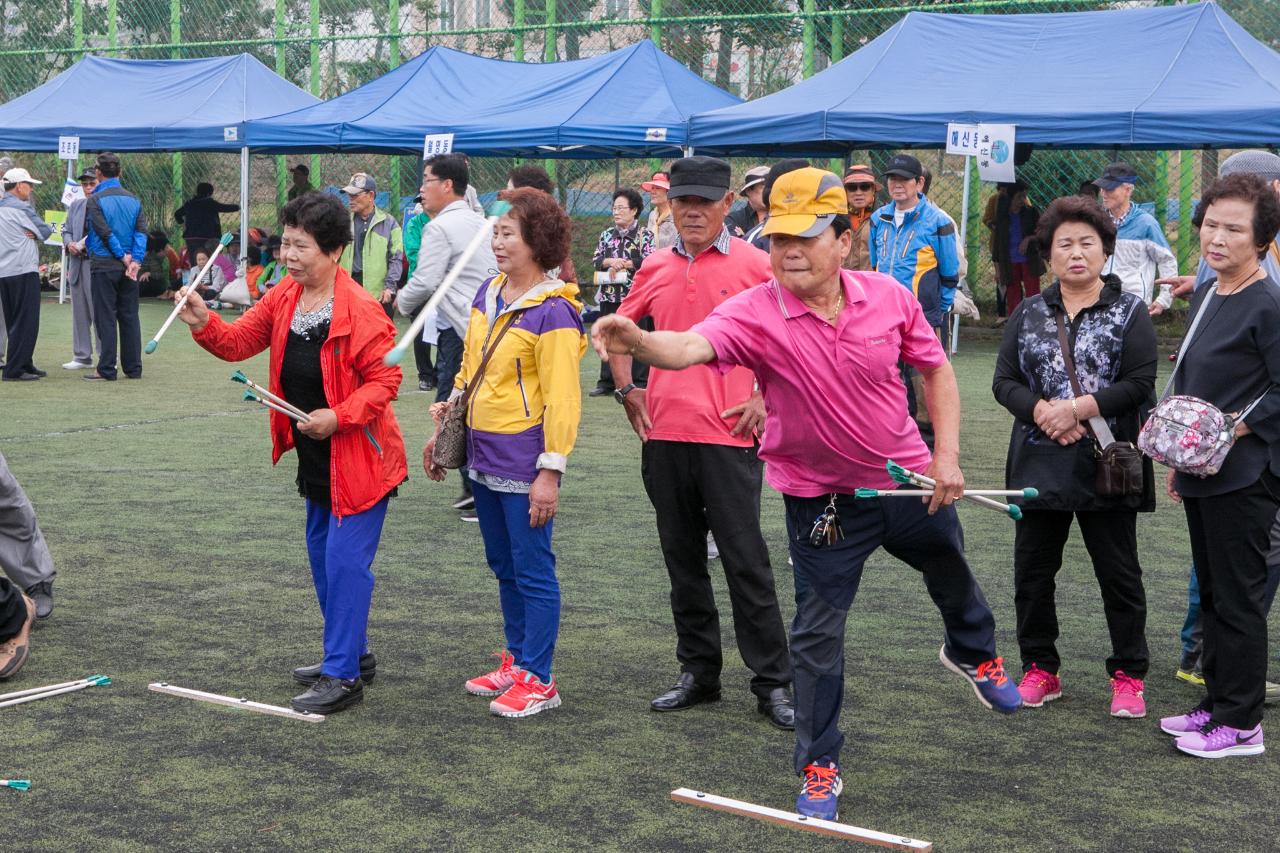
(993, 688)
(822, 785)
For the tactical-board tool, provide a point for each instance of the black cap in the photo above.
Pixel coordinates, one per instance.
(777, 170)
(1116, 174)
(904, 166)
(87, 174)
(705, 177)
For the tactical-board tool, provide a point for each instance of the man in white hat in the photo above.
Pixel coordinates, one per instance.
(21, 232)
(6, 163)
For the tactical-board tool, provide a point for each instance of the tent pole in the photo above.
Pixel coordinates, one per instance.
(62, 267)
(964, 204)
(244, 204)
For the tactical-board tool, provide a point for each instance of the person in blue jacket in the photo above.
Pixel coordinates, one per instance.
(912, 240)
(116, 244)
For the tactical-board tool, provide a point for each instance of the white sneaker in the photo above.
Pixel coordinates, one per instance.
(77, 365)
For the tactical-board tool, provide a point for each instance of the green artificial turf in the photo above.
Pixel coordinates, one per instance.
(181, 559)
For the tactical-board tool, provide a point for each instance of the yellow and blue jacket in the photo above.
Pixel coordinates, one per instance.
(921, 254)
(524, 415)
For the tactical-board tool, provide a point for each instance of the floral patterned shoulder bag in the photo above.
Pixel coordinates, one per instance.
(1188, 434)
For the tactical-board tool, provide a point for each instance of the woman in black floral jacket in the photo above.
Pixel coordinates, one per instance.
(1052, 448)
(620, 252)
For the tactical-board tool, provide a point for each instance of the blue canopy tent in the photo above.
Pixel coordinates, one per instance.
(1163, 77)
(635, 101)
(152, 105)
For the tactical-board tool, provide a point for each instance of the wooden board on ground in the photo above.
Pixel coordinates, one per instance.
(796, 821)
(231, 702)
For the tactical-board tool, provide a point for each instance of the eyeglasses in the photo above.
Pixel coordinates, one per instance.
(433, 180)
(861, 188)
(622, 209)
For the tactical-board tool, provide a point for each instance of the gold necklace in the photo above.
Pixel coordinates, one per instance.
(839, 307)
(324, 298)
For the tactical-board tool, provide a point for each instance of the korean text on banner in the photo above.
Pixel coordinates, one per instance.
(68, 147)
(995, 154)
(55, 218)
(963, 139)
(434, 144)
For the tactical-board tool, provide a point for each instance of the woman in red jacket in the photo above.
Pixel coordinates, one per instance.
(327, 338)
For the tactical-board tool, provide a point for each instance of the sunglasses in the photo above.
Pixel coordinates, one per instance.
(861, 188)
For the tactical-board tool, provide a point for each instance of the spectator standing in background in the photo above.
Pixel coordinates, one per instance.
(301, 181)
(74, 232)
(860, 188)
(117, 242)
(1142, 252)
(375, 257)
(620, 251)
(200, 218)
(21, 232)
(660, 224)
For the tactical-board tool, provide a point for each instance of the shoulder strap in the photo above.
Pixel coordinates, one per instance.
(492, 346)
(1186, 341)
(1097, 425)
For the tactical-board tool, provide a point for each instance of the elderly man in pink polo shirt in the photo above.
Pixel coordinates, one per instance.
(698, 458)
(824, 345)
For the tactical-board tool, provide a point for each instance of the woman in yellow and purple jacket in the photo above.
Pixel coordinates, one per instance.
(522, 422)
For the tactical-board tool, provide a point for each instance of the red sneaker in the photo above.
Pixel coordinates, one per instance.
(496, 682)
(1126, 696)
(1038, 687)
(528, 696)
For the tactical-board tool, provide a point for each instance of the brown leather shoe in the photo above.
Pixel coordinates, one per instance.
(13, 652)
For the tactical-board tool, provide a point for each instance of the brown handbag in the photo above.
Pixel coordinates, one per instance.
(1118, 466)
(451, 438)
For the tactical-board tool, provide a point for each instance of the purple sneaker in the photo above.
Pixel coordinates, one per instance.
(1219, 741)
(1184, 724)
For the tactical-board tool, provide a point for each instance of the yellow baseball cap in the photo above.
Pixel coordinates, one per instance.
(804, 202)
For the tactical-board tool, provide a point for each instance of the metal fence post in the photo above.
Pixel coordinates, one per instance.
(517, 21)
(1186, 184)
(549, 37)
(393, 17)
(113, 31)
(810, 7)
(175, 36)
(837, 38)
(282, 189)
(314, 83)
(1162, 188)
(655, 29)
(972, 217)
(77, 27)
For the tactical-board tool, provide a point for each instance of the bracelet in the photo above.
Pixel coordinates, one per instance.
(1075, 412)
(632, 352)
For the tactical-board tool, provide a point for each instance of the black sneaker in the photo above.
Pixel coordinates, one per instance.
(38, 372)
(330, 695)
(469, 515)
(600, 391)
(311, 674)
(465, 501)
(42, 594)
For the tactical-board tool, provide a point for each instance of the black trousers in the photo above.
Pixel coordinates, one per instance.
(13, 612)
(699, 487)
(1230, 537)
(1111, 538)
(422, 355)
(827, 579)
(20, 298)
(115, 307)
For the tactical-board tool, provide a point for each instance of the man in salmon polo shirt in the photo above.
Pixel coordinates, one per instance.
(824, 345)
(698, 452)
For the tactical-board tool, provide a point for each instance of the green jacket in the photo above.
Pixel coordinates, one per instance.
(382, 255)
(413, 238)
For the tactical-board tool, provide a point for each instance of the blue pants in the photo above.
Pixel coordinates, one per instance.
(341, 552)
(522, 559)
(826, 580)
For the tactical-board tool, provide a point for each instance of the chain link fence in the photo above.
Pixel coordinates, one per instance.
(749, 47)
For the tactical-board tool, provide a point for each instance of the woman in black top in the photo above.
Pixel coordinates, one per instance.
(1232, 360)
(1053, 446)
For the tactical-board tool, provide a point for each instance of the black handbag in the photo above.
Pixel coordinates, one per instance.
(1118, 465)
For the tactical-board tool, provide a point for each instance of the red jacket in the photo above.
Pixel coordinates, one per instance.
(367, 452)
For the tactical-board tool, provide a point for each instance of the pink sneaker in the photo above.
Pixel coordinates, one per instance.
(1222, 742)
(496, 682)
(528, 696)
(1126, 696)
(1038, 687)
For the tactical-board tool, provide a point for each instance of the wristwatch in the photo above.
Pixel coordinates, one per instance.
(621, 393)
